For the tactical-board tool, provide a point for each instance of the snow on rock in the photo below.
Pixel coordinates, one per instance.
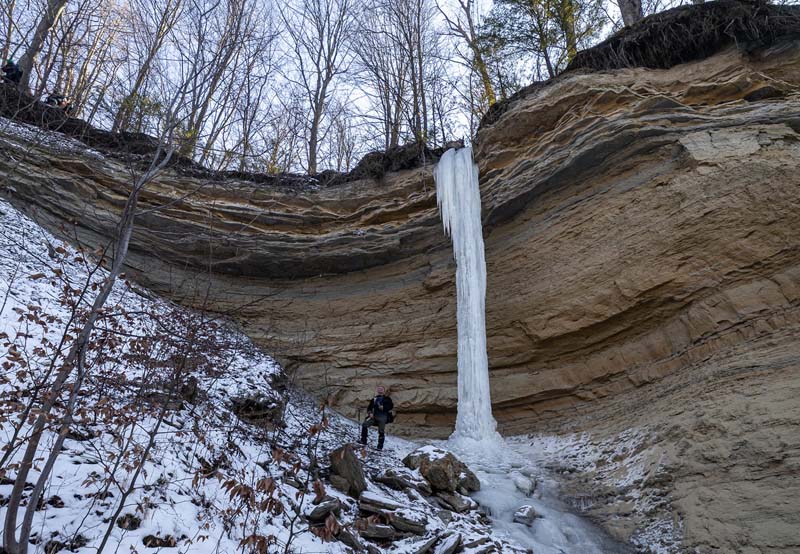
(379, 500)
(432, 452)
(525, 515)
(40, 138)
(523, 483)
(443, 471)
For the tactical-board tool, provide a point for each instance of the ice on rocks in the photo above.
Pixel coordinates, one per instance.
(525, 515)
(524, 484)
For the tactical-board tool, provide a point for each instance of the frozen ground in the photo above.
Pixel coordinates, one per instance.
(618, 476)
(512, 475)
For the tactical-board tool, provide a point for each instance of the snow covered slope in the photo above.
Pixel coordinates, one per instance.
(185, 436)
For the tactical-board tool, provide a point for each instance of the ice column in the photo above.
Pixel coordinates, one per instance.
(459, 202)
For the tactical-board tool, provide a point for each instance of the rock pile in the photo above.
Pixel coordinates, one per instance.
(422, 507)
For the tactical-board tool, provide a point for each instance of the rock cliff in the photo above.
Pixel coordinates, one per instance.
(642, 232)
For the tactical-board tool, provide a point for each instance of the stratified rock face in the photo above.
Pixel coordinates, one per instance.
(637, 221)
(643, 254)
(652, 221)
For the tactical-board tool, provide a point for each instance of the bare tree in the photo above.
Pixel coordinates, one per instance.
(383, 71)
(70, 370)
(464, 24)
(10, 18)
(151, 23)
(319, 31)
(220, 32)
(631, 11)
(50, 16)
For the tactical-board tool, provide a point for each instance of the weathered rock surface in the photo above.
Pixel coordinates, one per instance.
(321, 510)
(408, 521)
(636, 219)
(643, 253)
(456, 501)
(443, 471)
(402, 478)
(374, 503)
(449, 545)
(346, 471)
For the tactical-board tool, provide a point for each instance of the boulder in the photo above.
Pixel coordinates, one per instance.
(525, 515)
(446, 516)
(327, 506)
(449, 544)
(350, 538)
(476, 543)
(425, 547)
(442, 470)
(375, 531)
(456, 502)
(339, 483)
(347, 467)
(524, 484)
(408, 521)
(374, 503)
(402, 479)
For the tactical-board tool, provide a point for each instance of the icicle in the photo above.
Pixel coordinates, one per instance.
(459, 200)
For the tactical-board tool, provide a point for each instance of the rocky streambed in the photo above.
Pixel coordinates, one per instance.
(434, 502)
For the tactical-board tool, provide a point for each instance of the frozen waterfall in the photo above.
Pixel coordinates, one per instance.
(459, 202)
(500, 467)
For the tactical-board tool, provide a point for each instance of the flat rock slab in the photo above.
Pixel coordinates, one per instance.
(457, 502)
(377, 531)
(375, 503)
(403, 479)
(321, 510)
(449, 544)
(408, 521)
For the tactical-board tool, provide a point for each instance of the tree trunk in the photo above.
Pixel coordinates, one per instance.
(49, 19)
(568, 26)
(9, 30)
(631, 11)
(483, 72)
(313, 137)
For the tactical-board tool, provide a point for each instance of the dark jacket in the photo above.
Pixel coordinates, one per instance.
(12, 72)
(380, 406)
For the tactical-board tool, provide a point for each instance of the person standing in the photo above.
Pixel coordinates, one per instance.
(379, 413)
